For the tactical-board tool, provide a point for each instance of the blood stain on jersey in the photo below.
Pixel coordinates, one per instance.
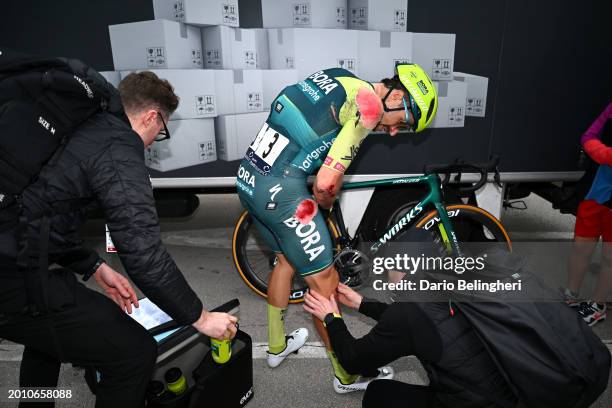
(370, 108)
(306, 211)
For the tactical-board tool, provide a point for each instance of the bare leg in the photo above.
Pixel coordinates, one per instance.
(604, 283)
(326, 283)
(279, 284)
(579, 261)
(396, 276)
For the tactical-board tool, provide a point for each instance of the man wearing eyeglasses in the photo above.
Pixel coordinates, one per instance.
(317, 126)
(102, 163)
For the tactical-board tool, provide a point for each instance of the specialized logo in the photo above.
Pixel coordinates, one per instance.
(405, 181)
(275, 190)
(316, 154)
(43, 122)
(310, 237)
(90, 94)
(423, 87)
(246, 176)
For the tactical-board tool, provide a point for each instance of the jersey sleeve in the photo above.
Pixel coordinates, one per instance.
(345, 147)
(599, 152)
(594, 131)
(359, 115)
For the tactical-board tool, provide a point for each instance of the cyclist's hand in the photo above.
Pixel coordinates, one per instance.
(220, 326)
(327, 186)
(324, 200)
(319, 305)
(348, 297)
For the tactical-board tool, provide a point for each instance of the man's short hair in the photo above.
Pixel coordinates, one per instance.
(393, 83)
(145, 90)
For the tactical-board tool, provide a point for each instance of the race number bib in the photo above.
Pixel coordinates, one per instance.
(266, 148)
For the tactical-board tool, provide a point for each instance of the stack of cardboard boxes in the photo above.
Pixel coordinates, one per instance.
(227, 77)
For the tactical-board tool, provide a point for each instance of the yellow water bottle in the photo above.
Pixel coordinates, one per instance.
(176, 381)
(221, 350)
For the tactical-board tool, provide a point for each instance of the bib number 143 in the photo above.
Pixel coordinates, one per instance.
(267, 146)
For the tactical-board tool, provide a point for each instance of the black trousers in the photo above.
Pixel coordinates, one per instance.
(85, 328)
(395, 394)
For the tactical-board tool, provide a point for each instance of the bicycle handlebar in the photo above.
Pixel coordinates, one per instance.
(461, 167)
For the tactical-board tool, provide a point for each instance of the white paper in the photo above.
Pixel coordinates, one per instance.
(149, 315)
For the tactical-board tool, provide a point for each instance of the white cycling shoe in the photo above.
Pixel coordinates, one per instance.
(295, 340)
(384, 373)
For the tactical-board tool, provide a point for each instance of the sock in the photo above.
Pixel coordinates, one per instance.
(340, 373)
(276, 329)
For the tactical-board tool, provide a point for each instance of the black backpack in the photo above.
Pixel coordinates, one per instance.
(42, 100)
(548, 355)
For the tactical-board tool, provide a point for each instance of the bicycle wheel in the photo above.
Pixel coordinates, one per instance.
(254, 260)
(471, 225)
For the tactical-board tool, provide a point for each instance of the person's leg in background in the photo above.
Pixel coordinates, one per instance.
(395, 394)
(93, 331)
(586, 235)
(598, 224)
(604, 283)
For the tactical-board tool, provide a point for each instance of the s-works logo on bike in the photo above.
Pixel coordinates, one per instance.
(405, 220)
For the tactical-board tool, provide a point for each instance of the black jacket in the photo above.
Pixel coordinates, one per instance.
(460, 370)
(103, 163)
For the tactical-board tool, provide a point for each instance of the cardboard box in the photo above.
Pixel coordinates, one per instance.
(380, 51)
(198, 12)
(381, 15)
(113, 77)
(476, 102)
(304, 13)
(155, 44)
(192, 142)
(451, 104)
(435, 53)
(196, 88)
(235, 133)
(274, 81)
(239, 91)
(235, 48)
(314, 49)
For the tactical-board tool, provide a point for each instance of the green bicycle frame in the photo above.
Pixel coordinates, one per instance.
(433, 199)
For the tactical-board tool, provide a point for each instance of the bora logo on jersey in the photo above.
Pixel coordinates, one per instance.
(320, 80)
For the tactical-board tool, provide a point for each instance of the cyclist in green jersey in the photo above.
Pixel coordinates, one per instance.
(317, 126)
